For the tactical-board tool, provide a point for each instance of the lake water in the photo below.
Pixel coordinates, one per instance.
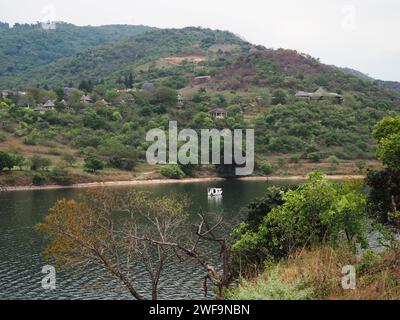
(21, 246)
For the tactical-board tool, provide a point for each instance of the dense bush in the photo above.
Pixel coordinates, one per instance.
(271, 287)
(39, 163)
(315, 212)
(2, 137)
(6, 161)
(94, 164)
(266, 168)
(61, 176)
(383, 194)
(172, 172)
(122, 163)
(38, 179)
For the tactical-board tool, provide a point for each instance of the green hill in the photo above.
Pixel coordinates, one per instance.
(25, 47)
(191, 71)
(107, 61)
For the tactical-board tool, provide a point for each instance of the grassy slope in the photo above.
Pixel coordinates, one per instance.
(316, 274)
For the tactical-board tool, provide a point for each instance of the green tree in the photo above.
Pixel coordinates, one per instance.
(360, 165)
(19, 161)
(165, 96)
(266, 168)
(39, 163)
(6, 161)
(279, 97)
(172, 171)
(317, 211)
(334, 162)
(387, 134)
(94, 164)
(69, 159)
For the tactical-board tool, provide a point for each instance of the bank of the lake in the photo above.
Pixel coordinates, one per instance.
(137, 182)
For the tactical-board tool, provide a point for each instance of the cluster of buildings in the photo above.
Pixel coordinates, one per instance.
(320, 94)
(7, 93)
(217, 113)
(48, 106)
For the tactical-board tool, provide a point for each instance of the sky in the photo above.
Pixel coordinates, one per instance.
(360, 34)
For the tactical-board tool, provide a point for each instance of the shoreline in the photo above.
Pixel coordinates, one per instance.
(172, 181)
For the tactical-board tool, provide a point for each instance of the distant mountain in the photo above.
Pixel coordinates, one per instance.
(356, 73)
(392, 85)
(26, 47)
(31, 56)
(96, 63)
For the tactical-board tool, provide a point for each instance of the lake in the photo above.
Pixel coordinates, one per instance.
(21, 246)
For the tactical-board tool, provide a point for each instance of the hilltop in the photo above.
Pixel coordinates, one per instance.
(25, 47)
(71, 53)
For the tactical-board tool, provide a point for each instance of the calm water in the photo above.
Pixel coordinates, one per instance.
(21, 261)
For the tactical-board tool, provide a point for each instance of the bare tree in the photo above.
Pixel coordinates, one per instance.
(126, 231)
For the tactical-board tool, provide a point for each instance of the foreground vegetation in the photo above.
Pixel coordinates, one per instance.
(316, 274)
(297, 241)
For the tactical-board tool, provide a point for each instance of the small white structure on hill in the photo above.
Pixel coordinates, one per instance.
(320, 94)
(218, 113)
(86, 99)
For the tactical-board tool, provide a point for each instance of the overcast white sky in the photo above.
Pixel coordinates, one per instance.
(361, 34)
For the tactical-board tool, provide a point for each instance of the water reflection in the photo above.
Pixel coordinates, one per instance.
(21, 261)
(215, 203)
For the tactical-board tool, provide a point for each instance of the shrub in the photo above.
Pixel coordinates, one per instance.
(333, 160)
(266, 168)
(316, 212)
(384, 193)
(279, 97)
(8, 127)
(271, 287)
(38, 163)
(172, 172)
(281, 162)
(19, 160)
(55, 152)
(61, 176)
(30, 140)
(69, 158)
(94, 164)
(6, 161)
(2, 137)
(122, 163)
(38, 179)
(360, 164)
(314, 157)
(189, 169)
(294, 158)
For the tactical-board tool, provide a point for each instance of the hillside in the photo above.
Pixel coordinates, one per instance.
(26, 47)
(256, 86)
(392, 85)
(109, 60)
